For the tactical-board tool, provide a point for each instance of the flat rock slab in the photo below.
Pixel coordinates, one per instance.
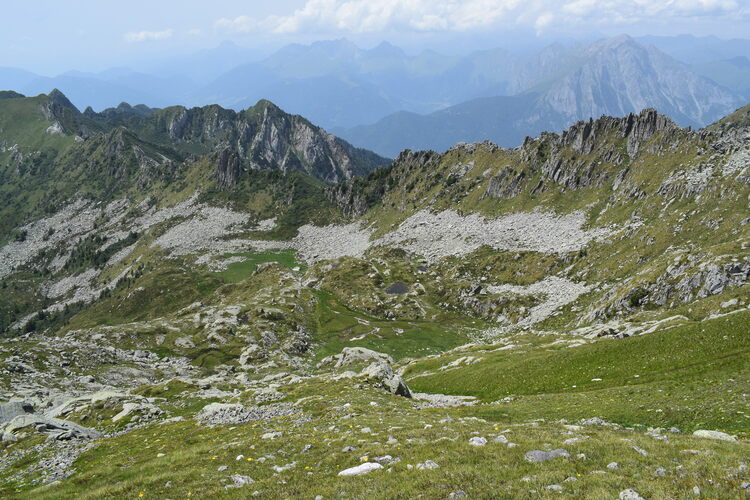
(48, 425)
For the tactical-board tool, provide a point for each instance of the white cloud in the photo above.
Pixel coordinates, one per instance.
(144, 36)
(241, 24)
(368, 16)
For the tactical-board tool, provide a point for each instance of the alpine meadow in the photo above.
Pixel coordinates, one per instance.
(256, 251)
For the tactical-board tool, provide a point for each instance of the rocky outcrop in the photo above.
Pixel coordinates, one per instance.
(682, 283)
(65, 117)
(228, 167)
(508, 183)
(233, 413)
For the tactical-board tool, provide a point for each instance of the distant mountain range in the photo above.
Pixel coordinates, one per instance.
(377, 97)
(560, 86)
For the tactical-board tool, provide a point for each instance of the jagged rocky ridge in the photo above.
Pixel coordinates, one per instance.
(257, 138)
(260, 137)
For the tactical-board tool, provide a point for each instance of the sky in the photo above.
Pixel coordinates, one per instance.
(49, 36)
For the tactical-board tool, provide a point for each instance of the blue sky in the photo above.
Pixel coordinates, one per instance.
(52, 36)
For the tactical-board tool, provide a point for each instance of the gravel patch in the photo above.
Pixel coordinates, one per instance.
(69, 224)
(557, 291)
(315, 243)
(203, 231)
(439, 235)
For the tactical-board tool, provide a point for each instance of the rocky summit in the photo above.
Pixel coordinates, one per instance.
(206, 303)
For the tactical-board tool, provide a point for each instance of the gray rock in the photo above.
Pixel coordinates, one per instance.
(457, 494)
(630, 494)
(225, 414)
(477, 441)
(427, 465)
(660, 472)
(240, 480)
(272, 435)
(613, 465)
(538, 456)
(354, 355)
(555, 487)
(641, 451)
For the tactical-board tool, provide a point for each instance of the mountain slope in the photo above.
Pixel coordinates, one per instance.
(740, 119)
(585, 292)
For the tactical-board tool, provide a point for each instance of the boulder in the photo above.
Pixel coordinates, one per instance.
(478, 441)
(142, 407)
(722, 436)
(382, 374)
(239, 480)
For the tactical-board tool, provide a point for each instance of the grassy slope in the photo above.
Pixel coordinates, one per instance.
(691, 376)
(129, 466)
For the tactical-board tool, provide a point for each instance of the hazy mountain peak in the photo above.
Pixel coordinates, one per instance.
(387, 49)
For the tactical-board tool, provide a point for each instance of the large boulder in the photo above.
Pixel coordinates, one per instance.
(14, 408)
